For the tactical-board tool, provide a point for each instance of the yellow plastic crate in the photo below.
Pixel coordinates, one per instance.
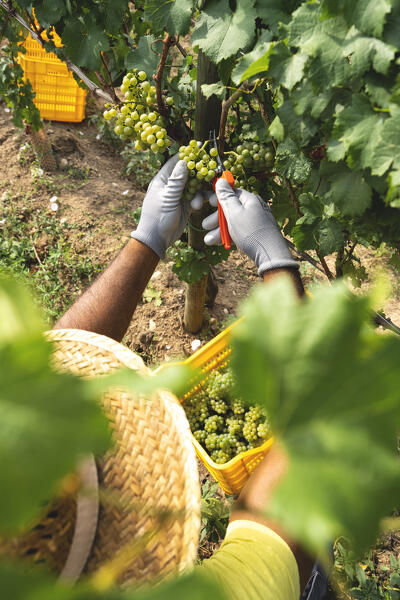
(232, 475)
(58, 96)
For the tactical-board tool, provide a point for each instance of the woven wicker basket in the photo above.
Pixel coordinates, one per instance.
(149, 517)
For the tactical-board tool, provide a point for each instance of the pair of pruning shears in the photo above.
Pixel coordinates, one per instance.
(221, 172)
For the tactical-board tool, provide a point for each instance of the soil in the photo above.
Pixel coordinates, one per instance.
(93, 195)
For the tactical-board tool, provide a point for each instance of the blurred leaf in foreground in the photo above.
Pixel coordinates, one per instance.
(48, 420)
(17, 584)
(331, 386)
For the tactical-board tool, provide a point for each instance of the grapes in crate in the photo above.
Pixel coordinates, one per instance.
(221, 422)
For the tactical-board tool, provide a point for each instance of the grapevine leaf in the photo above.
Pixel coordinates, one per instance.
(291, 163)
(145, 56)
(378, 89)
(173, 15)
(367, 15)
(365, 52)
(221, 33)
(255, 61)
(330, 236)
(84, 40)
(300, 127)
(272, 12)
(349, 191)
(305, 236)
(49, 12)
(387, 151)
(277, 130)
(330, 386)
(359, 127)
(214, 89)
(286, 68)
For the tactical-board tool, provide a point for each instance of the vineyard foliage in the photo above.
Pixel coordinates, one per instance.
(320, 84)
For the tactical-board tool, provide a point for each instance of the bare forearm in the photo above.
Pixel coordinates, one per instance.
(108, 305)
(293, 274)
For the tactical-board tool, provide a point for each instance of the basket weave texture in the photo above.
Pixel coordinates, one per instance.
(150, 474)
(149, 518)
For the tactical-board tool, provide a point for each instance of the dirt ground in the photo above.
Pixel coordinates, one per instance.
(100, 204)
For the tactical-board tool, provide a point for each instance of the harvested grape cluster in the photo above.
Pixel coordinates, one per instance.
(137, 119)
(222, 423)
(201, 165)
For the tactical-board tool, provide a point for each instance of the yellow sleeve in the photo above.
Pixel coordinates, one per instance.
(254, 563)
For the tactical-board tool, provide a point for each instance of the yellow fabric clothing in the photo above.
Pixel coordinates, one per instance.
(254, 563)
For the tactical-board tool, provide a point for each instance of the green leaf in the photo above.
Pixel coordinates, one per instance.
(220, 32)
(330, 386)
(83, 41)
(359, 128)
(330, 236)
(49, 421)
(290, 162)
(349, 191)
(299, 127)
(214, 89)
(145, 56)
(277, 130)
(387, 151)
(273, 12)
(286, 68)
(367, 15)
(367, 52)
(173, 15)
(24, 584)
(49, 12)
(254, 62)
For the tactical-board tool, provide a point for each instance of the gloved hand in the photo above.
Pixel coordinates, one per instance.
(252, 227)
(164, 213)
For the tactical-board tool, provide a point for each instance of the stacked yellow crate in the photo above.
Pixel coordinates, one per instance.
(58, 96)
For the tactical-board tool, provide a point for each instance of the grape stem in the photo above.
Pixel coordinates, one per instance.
(168, 41)
(226, 104)
(109, 86)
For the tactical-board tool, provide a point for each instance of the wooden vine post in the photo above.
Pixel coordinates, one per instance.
(208, 113)
(42, 148)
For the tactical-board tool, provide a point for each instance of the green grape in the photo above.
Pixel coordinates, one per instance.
(135, 115)
(151, 139)
(212, 164)
(191, 165)
(214, 152)
(119, 129)
(142, 75)
(169, 101)
(125, 109)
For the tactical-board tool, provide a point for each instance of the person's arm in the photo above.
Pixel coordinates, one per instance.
(108, 305)
(293, 275)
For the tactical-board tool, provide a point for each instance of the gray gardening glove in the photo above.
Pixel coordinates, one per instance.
(164, 213)
(252, 227)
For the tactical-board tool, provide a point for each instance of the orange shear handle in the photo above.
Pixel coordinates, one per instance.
(223, 225)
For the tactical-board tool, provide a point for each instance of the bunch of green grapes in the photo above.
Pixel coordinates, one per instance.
(137, 119)
(201, 165)
(221, 422)
(248, 158)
